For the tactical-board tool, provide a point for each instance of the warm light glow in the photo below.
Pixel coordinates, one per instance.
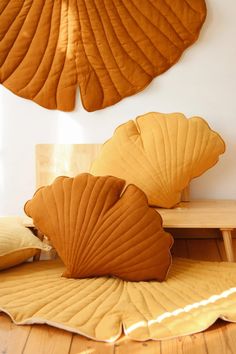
(70, 129)
(179, 311)
(135, 326)
(87, 351)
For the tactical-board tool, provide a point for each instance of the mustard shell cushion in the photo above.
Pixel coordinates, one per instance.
(97, 231)
(110, 49)
(17, 243)
(160, 153)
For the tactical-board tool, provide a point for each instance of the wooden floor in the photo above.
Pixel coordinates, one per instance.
(42, 339)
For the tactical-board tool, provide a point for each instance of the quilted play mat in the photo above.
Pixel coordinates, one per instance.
(195, 294)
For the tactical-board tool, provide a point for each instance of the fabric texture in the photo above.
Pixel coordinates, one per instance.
(195, 294)
(17, 243)
(97, 231)
(160, 153)
(110, 49)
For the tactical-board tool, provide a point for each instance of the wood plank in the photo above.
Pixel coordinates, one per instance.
(45, 339)
(203, 249)
(221, 247)
(12, 338)
(85, 345)
(201, 214)
(229, 333)
(5, 330)
(180, 248)
(126, 346)
(194, 233)
(18, 339)
(193, 344)
(219, 340)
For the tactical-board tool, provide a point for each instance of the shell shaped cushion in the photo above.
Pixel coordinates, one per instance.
(160, 153)
(110, 49)
(97, 231)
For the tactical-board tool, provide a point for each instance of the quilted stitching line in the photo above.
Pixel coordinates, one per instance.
(136, 44)
(66, 210)
(110, 47)
(58, 293)
(44, 198)
(119, 247)
(6, 4)
(135, 236)
(166, 19)
(129, 300)
(169, 6)
(28, 44)
(158, 29)
(100, 218)
(90, 65)
(97, 46)
(164, 185)
(145, 35)
(197, 149)
(76, 244)
(110, 290)
(122, 158)
(157, 290)
(53, 59)
(120, 285)
(137, 287)
(65, 54)
(17, 34)
(127, 34)
(73, 293)
(161, 305)
(85, 226)
(13, 20)
(107, 216)
(152, 163)
(56, 48)
(38, 68)
(185, 148)
(188, 4)
(168, 147)
(91, 68)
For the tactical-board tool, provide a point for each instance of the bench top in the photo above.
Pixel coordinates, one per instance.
(220, 214)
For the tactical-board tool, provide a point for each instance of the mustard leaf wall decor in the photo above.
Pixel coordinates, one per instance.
(109, 48)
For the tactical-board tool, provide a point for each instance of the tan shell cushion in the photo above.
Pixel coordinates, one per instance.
(195, 294)
(160, 153)
(17, 243)
(110, 49)
(96, 231)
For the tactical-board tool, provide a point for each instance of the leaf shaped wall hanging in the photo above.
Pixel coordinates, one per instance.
(111, 49)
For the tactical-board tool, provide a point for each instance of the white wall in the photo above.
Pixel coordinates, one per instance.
(202, 83)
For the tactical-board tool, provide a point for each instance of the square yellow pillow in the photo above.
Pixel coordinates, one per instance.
(17, 242)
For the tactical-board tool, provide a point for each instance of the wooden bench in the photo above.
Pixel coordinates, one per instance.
(57, 159)
(204, 214)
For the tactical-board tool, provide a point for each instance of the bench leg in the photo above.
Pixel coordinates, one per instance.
(227, 237)
(40, 236)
